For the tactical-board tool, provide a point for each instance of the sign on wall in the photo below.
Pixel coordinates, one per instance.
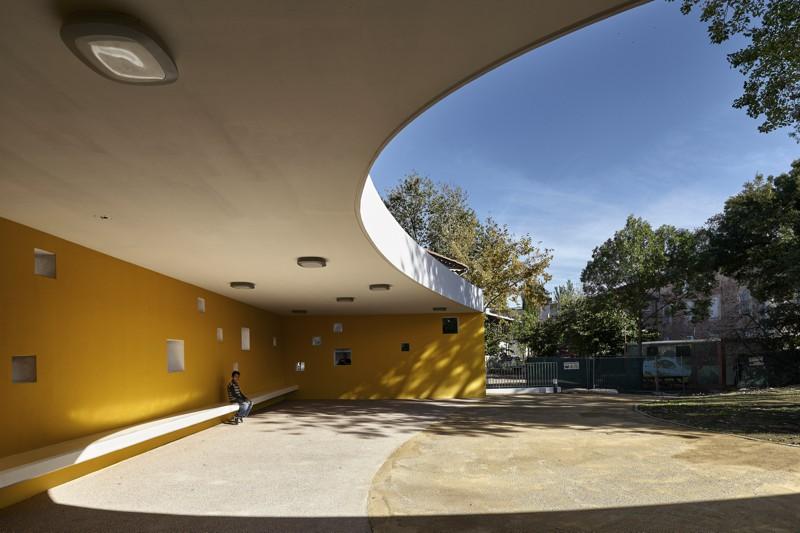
(572, 365)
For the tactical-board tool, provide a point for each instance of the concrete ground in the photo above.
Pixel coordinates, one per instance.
(537, 463)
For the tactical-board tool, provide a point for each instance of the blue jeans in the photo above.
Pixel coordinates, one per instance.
(244, 408)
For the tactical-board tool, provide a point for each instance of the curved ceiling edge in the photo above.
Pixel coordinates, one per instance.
(403, 252)
(385, 233)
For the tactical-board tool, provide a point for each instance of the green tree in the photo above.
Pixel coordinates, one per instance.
(645, 272)
(436, 216)
(771, 60)
(505, 266)
(495, 333)
(756, 240)
(439, 218)
(543, 337)
(581, 326)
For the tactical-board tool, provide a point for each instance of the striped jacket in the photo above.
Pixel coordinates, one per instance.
(235, 393)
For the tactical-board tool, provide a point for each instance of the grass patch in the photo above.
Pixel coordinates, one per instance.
(772, 414)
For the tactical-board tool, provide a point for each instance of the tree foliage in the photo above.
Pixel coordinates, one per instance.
(771, 60)
(756, 240)
(439, 218)
(581, 326)
(646, 272)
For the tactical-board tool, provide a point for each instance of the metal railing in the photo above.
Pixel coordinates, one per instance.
(523, 375)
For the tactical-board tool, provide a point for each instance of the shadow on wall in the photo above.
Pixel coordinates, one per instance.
(771, 513)
(436, 365)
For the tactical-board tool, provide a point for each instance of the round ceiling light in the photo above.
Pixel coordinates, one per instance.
(312, 262)
(380, 287)
(243, 285)
(119, 49)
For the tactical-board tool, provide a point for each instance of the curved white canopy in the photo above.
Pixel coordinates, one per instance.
(259, 152)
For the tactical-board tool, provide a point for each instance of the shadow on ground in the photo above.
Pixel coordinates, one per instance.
(773, 513)
(498, 417)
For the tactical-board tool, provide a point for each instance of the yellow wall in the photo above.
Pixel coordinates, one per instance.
(99, 334)
(437, 366)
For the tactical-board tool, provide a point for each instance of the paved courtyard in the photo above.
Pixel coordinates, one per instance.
(530, 463)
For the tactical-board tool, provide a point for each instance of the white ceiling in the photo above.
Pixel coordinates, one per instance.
(259, 152)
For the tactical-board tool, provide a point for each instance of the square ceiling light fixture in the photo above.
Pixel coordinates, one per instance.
(120, 50)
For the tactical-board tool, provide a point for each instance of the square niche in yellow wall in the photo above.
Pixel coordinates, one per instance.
(175, 356)
(23, 369)
(342, 357)
(44, 263)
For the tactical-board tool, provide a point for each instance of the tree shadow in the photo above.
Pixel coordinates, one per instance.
(495, 416)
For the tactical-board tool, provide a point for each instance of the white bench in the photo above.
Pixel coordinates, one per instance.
(41, 461)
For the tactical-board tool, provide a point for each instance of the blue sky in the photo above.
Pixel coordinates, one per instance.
(630, 115)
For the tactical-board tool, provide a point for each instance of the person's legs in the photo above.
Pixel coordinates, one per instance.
(249, 406)
(243, 410)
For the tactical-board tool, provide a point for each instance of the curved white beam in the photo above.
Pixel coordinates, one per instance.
(402, 252)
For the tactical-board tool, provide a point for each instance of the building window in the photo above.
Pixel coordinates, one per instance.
(449, 325)
(744, 302)
(405, 347)
(714, 311)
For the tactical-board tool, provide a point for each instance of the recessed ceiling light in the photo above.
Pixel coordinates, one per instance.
(380, 287)
(311, 262)
(345, 299)
(440, 309)
(119, 49)
(243, 285)
(299, 311)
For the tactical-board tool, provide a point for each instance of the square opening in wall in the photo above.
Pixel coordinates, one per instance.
(201, 305)
(316, 341)
(405, 347)
(300, 366)
(175, 360)
(342, 357)
(44, 263)
(220, 335)
(449, 325)
(246, 339)
(23, 369)
(338, 327)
